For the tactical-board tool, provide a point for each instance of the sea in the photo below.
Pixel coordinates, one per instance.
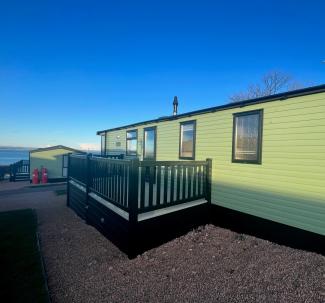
(12, 155)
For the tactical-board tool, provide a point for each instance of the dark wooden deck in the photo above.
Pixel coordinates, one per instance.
(139, 204)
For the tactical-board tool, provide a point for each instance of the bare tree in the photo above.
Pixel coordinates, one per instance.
(272, 83)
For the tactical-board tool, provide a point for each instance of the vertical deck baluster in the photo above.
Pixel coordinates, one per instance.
(151, 172)
(166, 168)
(172, 183)
(194, 180)
(104, 178)
(120, 185)
(158, 184)
(117, 183)
(95, 177)
(142, 187)
(113, 181)
(178, 177)
(108, 179)
(204, 180)
(183, 181)
(199, 186)
(101, 176)
(189, 187)
(125, 185)
(122, 182)
(83, 167)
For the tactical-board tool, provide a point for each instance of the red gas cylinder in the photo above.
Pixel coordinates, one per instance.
(35, 176)
(44, 175)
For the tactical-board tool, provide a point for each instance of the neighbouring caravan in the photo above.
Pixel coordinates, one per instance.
(54, 159)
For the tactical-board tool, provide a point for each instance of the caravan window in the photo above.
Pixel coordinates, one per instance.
(187, 140)
(131, 142)
(247, 137)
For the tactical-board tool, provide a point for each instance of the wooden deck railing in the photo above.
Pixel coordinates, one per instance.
(119, 196)
(4, 170)
(19, 171)
(148, 185)
(77, 169)
(167, 183)
(110, 179)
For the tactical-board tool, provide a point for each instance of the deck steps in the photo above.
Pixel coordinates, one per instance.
(19, 171)
(22, 177)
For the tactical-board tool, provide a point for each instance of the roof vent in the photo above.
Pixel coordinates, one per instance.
(175, 106)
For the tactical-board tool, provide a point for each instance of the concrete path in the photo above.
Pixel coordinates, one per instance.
(26, 188)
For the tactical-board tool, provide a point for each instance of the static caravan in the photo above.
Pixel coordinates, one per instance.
(261, 158)
(268, 154)
(54, 159)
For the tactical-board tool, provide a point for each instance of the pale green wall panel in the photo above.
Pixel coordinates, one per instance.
(288, 187)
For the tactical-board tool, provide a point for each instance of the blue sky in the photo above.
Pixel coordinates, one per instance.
(70, 68)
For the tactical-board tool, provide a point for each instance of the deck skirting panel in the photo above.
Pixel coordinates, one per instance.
(77, 199)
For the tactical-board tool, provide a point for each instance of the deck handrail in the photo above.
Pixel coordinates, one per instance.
(20, 167)
(142, 186)
(168, 163)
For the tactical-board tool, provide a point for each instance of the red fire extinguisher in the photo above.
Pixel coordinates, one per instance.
(44, 175)
(35, 176)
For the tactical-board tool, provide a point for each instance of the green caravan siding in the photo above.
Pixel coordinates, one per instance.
(52, 160)
(287, 187)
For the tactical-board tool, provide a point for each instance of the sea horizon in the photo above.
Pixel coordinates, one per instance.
(10, 155)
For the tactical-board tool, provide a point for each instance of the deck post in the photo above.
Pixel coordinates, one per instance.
(208, 180)
(133, 206)
(68, 178)
(88, 179)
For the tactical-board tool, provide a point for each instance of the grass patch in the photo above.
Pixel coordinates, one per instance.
(60, 192)
(21, 278)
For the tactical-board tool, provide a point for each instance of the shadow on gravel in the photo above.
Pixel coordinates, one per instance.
(267, 230)
(155, 232)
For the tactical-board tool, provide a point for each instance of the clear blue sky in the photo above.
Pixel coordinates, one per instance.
(70, 68)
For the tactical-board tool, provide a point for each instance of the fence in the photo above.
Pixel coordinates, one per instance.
(4, 170)
(115, 194)
(19, 171)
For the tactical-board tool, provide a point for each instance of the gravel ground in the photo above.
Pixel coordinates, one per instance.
(209, 264)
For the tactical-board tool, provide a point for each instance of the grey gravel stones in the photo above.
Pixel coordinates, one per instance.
(209, 264)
